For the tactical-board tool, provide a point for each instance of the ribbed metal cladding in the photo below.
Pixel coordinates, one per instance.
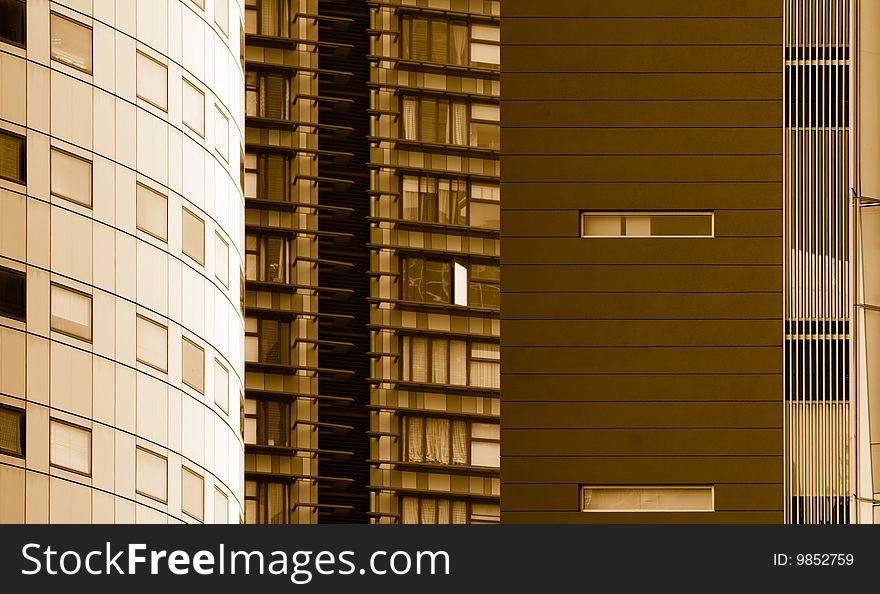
(817, 243)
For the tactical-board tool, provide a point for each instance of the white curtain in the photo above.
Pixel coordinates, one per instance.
(458, 45)
(459, 442)
(410, 115)
(415, 440)
(410, 511)
(459, 512)
(439, 361)
(458, 362)
(459, 124)
(443, 511)
(437, 441)
(429, 511)
(419, 359)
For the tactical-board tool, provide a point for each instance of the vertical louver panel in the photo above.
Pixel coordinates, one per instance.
(275, 97)
(816, 412)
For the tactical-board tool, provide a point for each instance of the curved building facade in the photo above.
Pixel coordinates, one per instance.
(121, 243)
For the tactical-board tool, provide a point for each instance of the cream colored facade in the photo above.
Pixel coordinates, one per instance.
(121, 225)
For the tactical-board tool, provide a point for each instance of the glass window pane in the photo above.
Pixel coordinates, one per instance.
(12, 157)
(12, 294)
(152, 343)
(152, 212)
(486, 453)
(274, 260)
(221, 386)
(193, 500)
(193, 236)
(221, 260)
(221, 15)
(485, 135)
(193, 108)
(485, 54)
(486, 32)
(458, 41)
(70, 447)
(485, 431)
(71, 177)
(152, 475)
(602, 225)
(193, 365)
(71, 42)
(221, 133)
(458, 362)
(648, 499)
(486, 215)
(12, 21)
(437, 282)
(221, 507)
(71, 312)
(437, 441)
(11, 431)
(152, 81)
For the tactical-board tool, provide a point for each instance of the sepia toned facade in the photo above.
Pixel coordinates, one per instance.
(120, 261)
(642, 262)
(434, 261)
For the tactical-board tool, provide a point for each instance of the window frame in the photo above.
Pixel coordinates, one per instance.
(259, 336)
(260, 426)
(259, 253)
(436, 498)
(184, 341)
(623, 215)
(54, 150)
(451, 263)
(91, 57)
(142, 227)
(183, 250)
(405, 455)
(259, 171)
(22, 156)
(407, 40)
(22, 276)
(23, 43)
(261, 499)
(54, 422)
(52, 315)
(183, 118)
(259, 90)
(21, 413)
(144, 493)
(184, 469)
(406, 374)
(139, 54)
(144, 361)
(447, 104)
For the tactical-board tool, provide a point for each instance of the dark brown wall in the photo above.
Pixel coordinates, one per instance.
(641, 361)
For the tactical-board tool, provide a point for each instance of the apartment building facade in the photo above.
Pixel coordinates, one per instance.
(120, 257)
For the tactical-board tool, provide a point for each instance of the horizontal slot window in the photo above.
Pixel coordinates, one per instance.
(648, 499)
(647, 224)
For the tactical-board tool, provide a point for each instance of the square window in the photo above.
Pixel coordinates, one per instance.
(152, 212)
(221, 386)
(70, 447)
(12, 157)
(12, 294)
(221, 260)
(152, 343)
(71, 177)
(13, 21)
(193, 236)
(152, 81)
(193, 499)
(221, 133)
(71, 312)
(12, 431)
(71, 42)
(152, 475)
(193, 365)
(193, 108)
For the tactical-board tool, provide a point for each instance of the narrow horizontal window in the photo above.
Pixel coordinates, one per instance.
(71, 177)
(71, 312)
(12, 157)
(11, 431)
(647, 224)
(70, 447)
(71, 43)
(12, 294)
(648, 499)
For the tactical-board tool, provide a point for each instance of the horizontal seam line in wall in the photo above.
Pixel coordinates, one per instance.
(639, 455)
(649, 100)
(91, 487)
(778, 73)
(545, 292)
(643, 373)
(682, 44)
(182, 261)
(135, 435)
(591, 428)
(631, 155)
(639, 17)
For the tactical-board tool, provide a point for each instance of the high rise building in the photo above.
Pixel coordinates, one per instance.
(120, 255)
(372, 277)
